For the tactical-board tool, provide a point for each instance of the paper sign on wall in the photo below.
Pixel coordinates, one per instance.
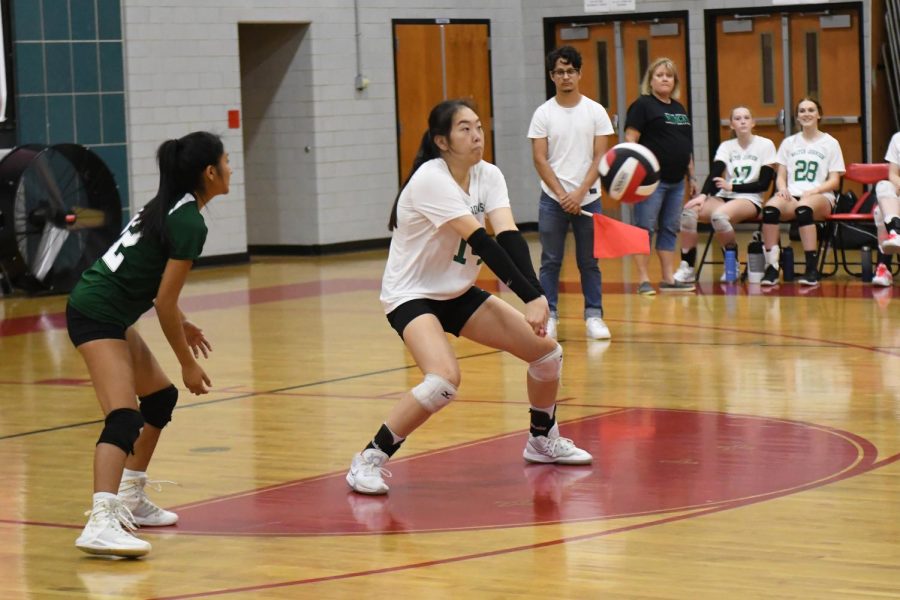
(605, 6)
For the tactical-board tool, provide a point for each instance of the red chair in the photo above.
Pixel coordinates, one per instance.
(857, 216)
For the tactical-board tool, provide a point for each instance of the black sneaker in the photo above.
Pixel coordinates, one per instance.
(770, 277)
(811, 277)
(677, 286)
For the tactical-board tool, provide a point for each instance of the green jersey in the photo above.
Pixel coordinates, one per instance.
(123, 283)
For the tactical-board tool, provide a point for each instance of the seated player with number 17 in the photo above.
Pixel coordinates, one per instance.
(146, 268)
(810, 165)
(428, 290)
(742, 169)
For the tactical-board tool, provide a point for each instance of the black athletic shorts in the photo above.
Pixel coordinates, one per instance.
(453, 314)
(83, 329)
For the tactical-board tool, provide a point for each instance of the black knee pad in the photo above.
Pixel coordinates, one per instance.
(804, 216)
(123, 426)
(771, 215)
(157, 407)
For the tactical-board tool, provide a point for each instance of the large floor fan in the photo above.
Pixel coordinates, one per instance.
(59, 211)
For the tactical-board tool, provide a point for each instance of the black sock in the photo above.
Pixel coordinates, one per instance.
(384, 441)
(689, 256)
(812, 260)
(885, 259)
(541, 422)
(894, 225)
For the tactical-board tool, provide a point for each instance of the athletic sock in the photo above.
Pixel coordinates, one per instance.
(689, 256)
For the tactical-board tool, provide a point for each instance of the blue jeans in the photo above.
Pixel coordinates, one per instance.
(661, 213)
(553, 225)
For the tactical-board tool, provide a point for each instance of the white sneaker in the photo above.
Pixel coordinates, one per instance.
(366, 474)
(685, 273)
(555, 449)
(146, 513)
(596, 328)
(108, 531)
(883, 276)
(552, 326)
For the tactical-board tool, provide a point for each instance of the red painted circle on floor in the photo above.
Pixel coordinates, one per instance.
(646, 461)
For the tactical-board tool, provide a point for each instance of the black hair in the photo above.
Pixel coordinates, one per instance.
(440, 122)
(568, 54)
(181, 166)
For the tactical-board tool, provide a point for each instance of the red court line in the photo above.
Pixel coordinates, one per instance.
(212, 301)
(218, 300)
(564, 540)
(876, 349)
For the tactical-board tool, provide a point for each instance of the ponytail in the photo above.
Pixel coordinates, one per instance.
(440, 122)
(181, 166)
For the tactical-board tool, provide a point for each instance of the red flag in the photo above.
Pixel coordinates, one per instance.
(613, 239)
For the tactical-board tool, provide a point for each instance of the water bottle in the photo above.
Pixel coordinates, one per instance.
(865, 261)
(730, 265)
(787, 263)
(756, 262)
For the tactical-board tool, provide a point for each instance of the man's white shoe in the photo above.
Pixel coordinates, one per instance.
(555, 449)
(685, 273)
(146, 513)
(108, 531)
(596, 328)
(552, 326)
(366, 474)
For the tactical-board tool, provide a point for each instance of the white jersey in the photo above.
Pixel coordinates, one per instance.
(809, 163)
(570, 134)
(743, 165)
(427, 258)
(893, 151)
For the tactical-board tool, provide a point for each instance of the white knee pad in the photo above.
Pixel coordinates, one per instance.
(721, 222)
(885, 189)
(547, 367)
(689, 221)
(434, 393)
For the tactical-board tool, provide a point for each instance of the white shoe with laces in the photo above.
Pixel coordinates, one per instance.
(367, 473)
(108, 531)
(596, 328)
(883, 276)
(555, 449)
(685, 273)
(146, 513)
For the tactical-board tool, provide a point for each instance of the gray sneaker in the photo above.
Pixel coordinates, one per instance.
(677, 286)
(646, 289)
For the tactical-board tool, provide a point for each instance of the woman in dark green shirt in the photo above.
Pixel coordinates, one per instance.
(146, 267)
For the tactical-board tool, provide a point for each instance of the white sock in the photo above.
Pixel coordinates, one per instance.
(98, 496)
(129, 474)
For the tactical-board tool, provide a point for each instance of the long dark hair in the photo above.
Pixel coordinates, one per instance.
(181, 166)
(440, 122)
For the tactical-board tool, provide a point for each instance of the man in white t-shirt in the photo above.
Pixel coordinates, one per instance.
(568, 139)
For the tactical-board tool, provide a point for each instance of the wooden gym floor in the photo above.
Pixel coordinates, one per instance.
(746, 446)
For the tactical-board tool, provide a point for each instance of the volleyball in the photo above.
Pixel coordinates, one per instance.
(629, 172)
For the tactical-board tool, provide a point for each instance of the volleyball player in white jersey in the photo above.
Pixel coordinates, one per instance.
(887, 215)
(428, 289)
(742, 169)
(810, 165)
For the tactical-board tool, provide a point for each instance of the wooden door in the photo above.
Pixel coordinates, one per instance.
(435, 62)
(823, 62)
(599, 68)
(643, 42)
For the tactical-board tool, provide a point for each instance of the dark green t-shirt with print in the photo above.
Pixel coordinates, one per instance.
(123, 283)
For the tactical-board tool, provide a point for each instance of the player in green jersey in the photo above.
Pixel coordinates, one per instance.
(146, 267)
